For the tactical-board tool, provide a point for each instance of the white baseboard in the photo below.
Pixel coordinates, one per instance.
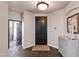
(52, 46)
(24, 47)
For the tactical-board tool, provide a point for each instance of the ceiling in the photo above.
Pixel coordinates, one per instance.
(20, 6)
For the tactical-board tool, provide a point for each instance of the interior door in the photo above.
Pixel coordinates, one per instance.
(41, 30)
(19, 33)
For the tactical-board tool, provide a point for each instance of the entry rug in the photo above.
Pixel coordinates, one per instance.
(41, 48)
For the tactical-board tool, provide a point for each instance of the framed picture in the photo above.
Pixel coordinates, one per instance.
(73, 24)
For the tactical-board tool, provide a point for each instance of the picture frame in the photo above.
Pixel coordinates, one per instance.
(73, 24)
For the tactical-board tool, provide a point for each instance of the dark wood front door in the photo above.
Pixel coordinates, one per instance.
(41, 30)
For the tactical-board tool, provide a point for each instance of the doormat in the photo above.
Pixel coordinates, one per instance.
(41, 48)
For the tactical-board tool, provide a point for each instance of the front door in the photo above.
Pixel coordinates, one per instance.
(41, 30)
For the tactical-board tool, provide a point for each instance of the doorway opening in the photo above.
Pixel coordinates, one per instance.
(14, 33)
(41, 30)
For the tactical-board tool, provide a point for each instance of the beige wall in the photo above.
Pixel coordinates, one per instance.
(3, 28)
(72, 8)
(55, 19)
(28, 30)
(14, 15)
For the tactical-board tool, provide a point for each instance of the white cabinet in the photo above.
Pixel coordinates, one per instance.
(68, 47)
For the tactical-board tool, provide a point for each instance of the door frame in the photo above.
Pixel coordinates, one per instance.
(8, 29)
(47, 28)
